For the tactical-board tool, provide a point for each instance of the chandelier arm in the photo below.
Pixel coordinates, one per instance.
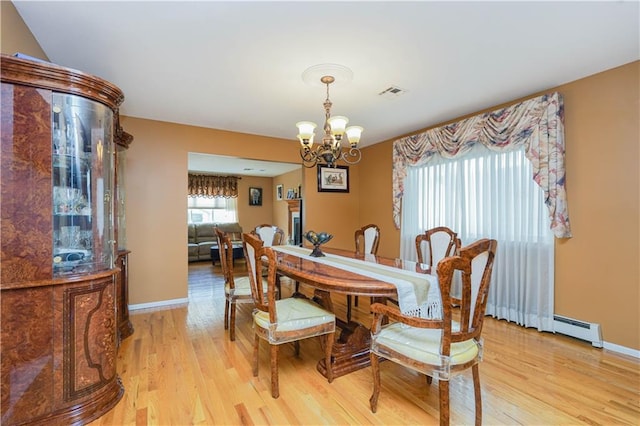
(311, 158)
(308, 157)
(352, 153)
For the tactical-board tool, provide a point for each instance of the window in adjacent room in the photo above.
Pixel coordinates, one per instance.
(212, 209)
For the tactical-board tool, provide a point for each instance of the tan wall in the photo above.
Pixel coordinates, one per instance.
(597, 276)
(15, 36)
(156, 188)
(597, 272)
(251, 216)
(377, 193)
(335, 213)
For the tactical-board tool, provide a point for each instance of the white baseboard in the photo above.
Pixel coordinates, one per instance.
(160, 304)
(622, 349)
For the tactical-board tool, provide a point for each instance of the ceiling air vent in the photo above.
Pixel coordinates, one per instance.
(392, 92)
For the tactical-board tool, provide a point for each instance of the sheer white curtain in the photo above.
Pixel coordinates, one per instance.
(487, 194)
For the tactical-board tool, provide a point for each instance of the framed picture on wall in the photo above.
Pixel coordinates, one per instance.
(255, 196)
(279, 191)
(333, 179)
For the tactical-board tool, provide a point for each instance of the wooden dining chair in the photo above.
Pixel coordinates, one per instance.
(271, 235)
(282, 321)
(436, 244)
(367, 239)
(443, 347)
(237, 289)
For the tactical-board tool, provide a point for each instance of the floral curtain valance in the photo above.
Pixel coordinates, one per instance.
(213, 186)
(535, 123)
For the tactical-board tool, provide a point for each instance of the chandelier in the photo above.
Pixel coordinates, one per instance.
(330, 150)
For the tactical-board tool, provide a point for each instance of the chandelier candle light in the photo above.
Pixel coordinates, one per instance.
(330, 151)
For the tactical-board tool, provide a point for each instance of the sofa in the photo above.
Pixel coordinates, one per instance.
(202, 237)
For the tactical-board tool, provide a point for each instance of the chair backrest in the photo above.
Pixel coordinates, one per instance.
(367, 239)
(271, 235)
(255, 254)
(225, 248)
(475, 263)
(436, 244)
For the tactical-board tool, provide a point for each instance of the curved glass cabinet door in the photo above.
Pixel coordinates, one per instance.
(82, 162)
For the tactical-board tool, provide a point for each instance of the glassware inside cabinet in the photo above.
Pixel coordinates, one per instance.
(121, 224)
(82, 160)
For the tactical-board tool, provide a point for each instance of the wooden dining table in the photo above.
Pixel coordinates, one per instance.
(351, 349)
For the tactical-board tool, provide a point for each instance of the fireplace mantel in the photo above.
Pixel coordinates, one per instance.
(295, 218)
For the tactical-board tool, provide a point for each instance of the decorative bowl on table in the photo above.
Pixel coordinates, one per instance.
(317, 240)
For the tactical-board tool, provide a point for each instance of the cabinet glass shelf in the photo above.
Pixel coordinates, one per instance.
(82, 165)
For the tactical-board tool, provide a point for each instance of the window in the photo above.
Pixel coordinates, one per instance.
(483, 194)
(212, 210)
(487, 194)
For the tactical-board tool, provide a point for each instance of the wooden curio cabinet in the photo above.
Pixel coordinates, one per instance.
(61, 289)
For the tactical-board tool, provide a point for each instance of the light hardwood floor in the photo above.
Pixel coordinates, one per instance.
(179, 368)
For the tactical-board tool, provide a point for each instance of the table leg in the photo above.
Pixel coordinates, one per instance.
(351, 350)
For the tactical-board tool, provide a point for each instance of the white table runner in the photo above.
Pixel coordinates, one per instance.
(413, 288)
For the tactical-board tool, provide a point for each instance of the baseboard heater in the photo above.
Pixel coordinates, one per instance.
(579, 329)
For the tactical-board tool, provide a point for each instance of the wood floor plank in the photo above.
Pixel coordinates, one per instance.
(179, 368)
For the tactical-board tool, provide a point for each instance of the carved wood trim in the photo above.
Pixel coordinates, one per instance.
(121, 138)
(294, 205)
(55, 77)
(89, 360)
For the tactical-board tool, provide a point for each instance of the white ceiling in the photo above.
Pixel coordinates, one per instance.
(237, 65)
(224, 165)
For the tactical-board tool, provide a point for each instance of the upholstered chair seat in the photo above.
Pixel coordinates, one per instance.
(295, 314)
(242, 287)
(423, 345)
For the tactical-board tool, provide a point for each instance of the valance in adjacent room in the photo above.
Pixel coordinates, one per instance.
(213, 186)
(537, 124)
